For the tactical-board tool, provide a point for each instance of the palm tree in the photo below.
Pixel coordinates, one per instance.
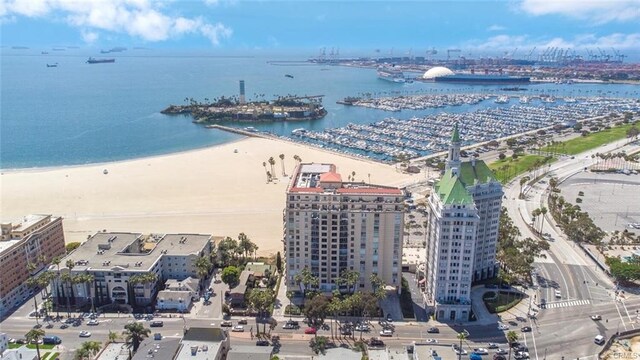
(87, 279)
(461, 336)
(33, 337)
(272, 162)
(113, 336)
(512, 336)
(56, 261)
(140, 279)
(134, 334)
(290, 297)
(87, 350)
(264, 163)
(282, 162)
(32, 282)
(543, 212)
(67, 279)
(203, 266)
(523, 181)
(245, 244)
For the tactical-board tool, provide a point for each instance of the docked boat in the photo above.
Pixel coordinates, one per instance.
(502, 99)
(100, 61)
(298, 131)
(391, 73)
(524, 100)
(52, 65)
(289, 76)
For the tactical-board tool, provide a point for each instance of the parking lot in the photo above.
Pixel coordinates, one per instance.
(606, 198)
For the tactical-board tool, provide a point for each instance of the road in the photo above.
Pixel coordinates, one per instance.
(584, 289)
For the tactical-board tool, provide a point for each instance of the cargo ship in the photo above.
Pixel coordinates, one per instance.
(482, 79)
(390, 73)
(100, 61)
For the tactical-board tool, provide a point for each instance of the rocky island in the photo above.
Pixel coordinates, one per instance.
(233, 109)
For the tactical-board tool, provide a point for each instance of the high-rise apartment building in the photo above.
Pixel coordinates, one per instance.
(35, 241)
(462, 233)
(331, 226)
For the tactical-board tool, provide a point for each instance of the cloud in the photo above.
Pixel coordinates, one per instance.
(89, 36)
(143, 19)
(583, 41)
(496, 28)
(599, 11)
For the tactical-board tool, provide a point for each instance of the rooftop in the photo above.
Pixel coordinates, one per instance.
(133, 251)
(248, 352)
(201, 343)
(310, 177)
(470, 172)
(451, 190)
(12, 229)
(164, 349)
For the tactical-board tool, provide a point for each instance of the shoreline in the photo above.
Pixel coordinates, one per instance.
(106, 163)
(220, 190)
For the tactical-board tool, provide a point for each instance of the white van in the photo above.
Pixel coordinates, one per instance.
(599, 340)
(558, 294)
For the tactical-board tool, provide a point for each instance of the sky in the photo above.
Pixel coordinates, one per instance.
(391, 27)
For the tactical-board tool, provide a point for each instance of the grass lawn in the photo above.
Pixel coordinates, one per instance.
(591, 141)
(515, 167)
(42, 346)
(504, 301)
(14, 346)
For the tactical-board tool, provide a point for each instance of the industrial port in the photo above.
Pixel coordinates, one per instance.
(552, 64)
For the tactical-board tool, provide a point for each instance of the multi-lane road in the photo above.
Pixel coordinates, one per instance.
(563, 326)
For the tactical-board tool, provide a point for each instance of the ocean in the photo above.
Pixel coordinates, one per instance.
(79, 113)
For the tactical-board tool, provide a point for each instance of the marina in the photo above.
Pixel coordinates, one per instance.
(391, 138)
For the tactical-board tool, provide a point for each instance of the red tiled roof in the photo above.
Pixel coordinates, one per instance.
(384, 191)
(330, 177)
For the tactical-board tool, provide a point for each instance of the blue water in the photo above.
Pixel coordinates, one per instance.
(78, 113)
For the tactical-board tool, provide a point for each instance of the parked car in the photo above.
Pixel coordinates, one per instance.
(521, 355)
(262, 343)
(431, 341)
(288, 326)
(156, 323)
(433, 330)
(93, 322)
(386, 332)
(503, 327)
(243, 321)
(226, 323)
(526, 329)
(310, 330)
(238, 328)
(499, 357)
(85, 334)
(362, 327)
(481, 351)
(596, 317)
(501, 351)
(492, 346)
(157, 336)
(64, 326)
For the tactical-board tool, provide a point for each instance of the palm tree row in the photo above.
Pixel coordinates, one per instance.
(230, 250)
(140, 279)
(271, 174)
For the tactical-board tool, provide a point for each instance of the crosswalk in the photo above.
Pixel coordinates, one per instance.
(562, 304)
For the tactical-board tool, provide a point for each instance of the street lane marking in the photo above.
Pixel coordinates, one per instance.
(565, 304)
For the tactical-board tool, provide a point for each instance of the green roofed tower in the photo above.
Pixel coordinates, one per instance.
(462, 232)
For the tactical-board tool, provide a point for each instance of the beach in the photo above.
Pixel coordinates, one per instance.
(214, 190)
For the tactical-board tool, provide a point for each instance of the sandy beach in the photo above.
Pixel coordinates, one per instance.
(212, 191)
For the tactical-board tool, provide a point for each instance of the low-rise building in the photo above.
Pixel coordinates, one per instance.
(26, 247)
(126, 268)
(204, 343)
(21, 353)
(247, 352)
(238, 293)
